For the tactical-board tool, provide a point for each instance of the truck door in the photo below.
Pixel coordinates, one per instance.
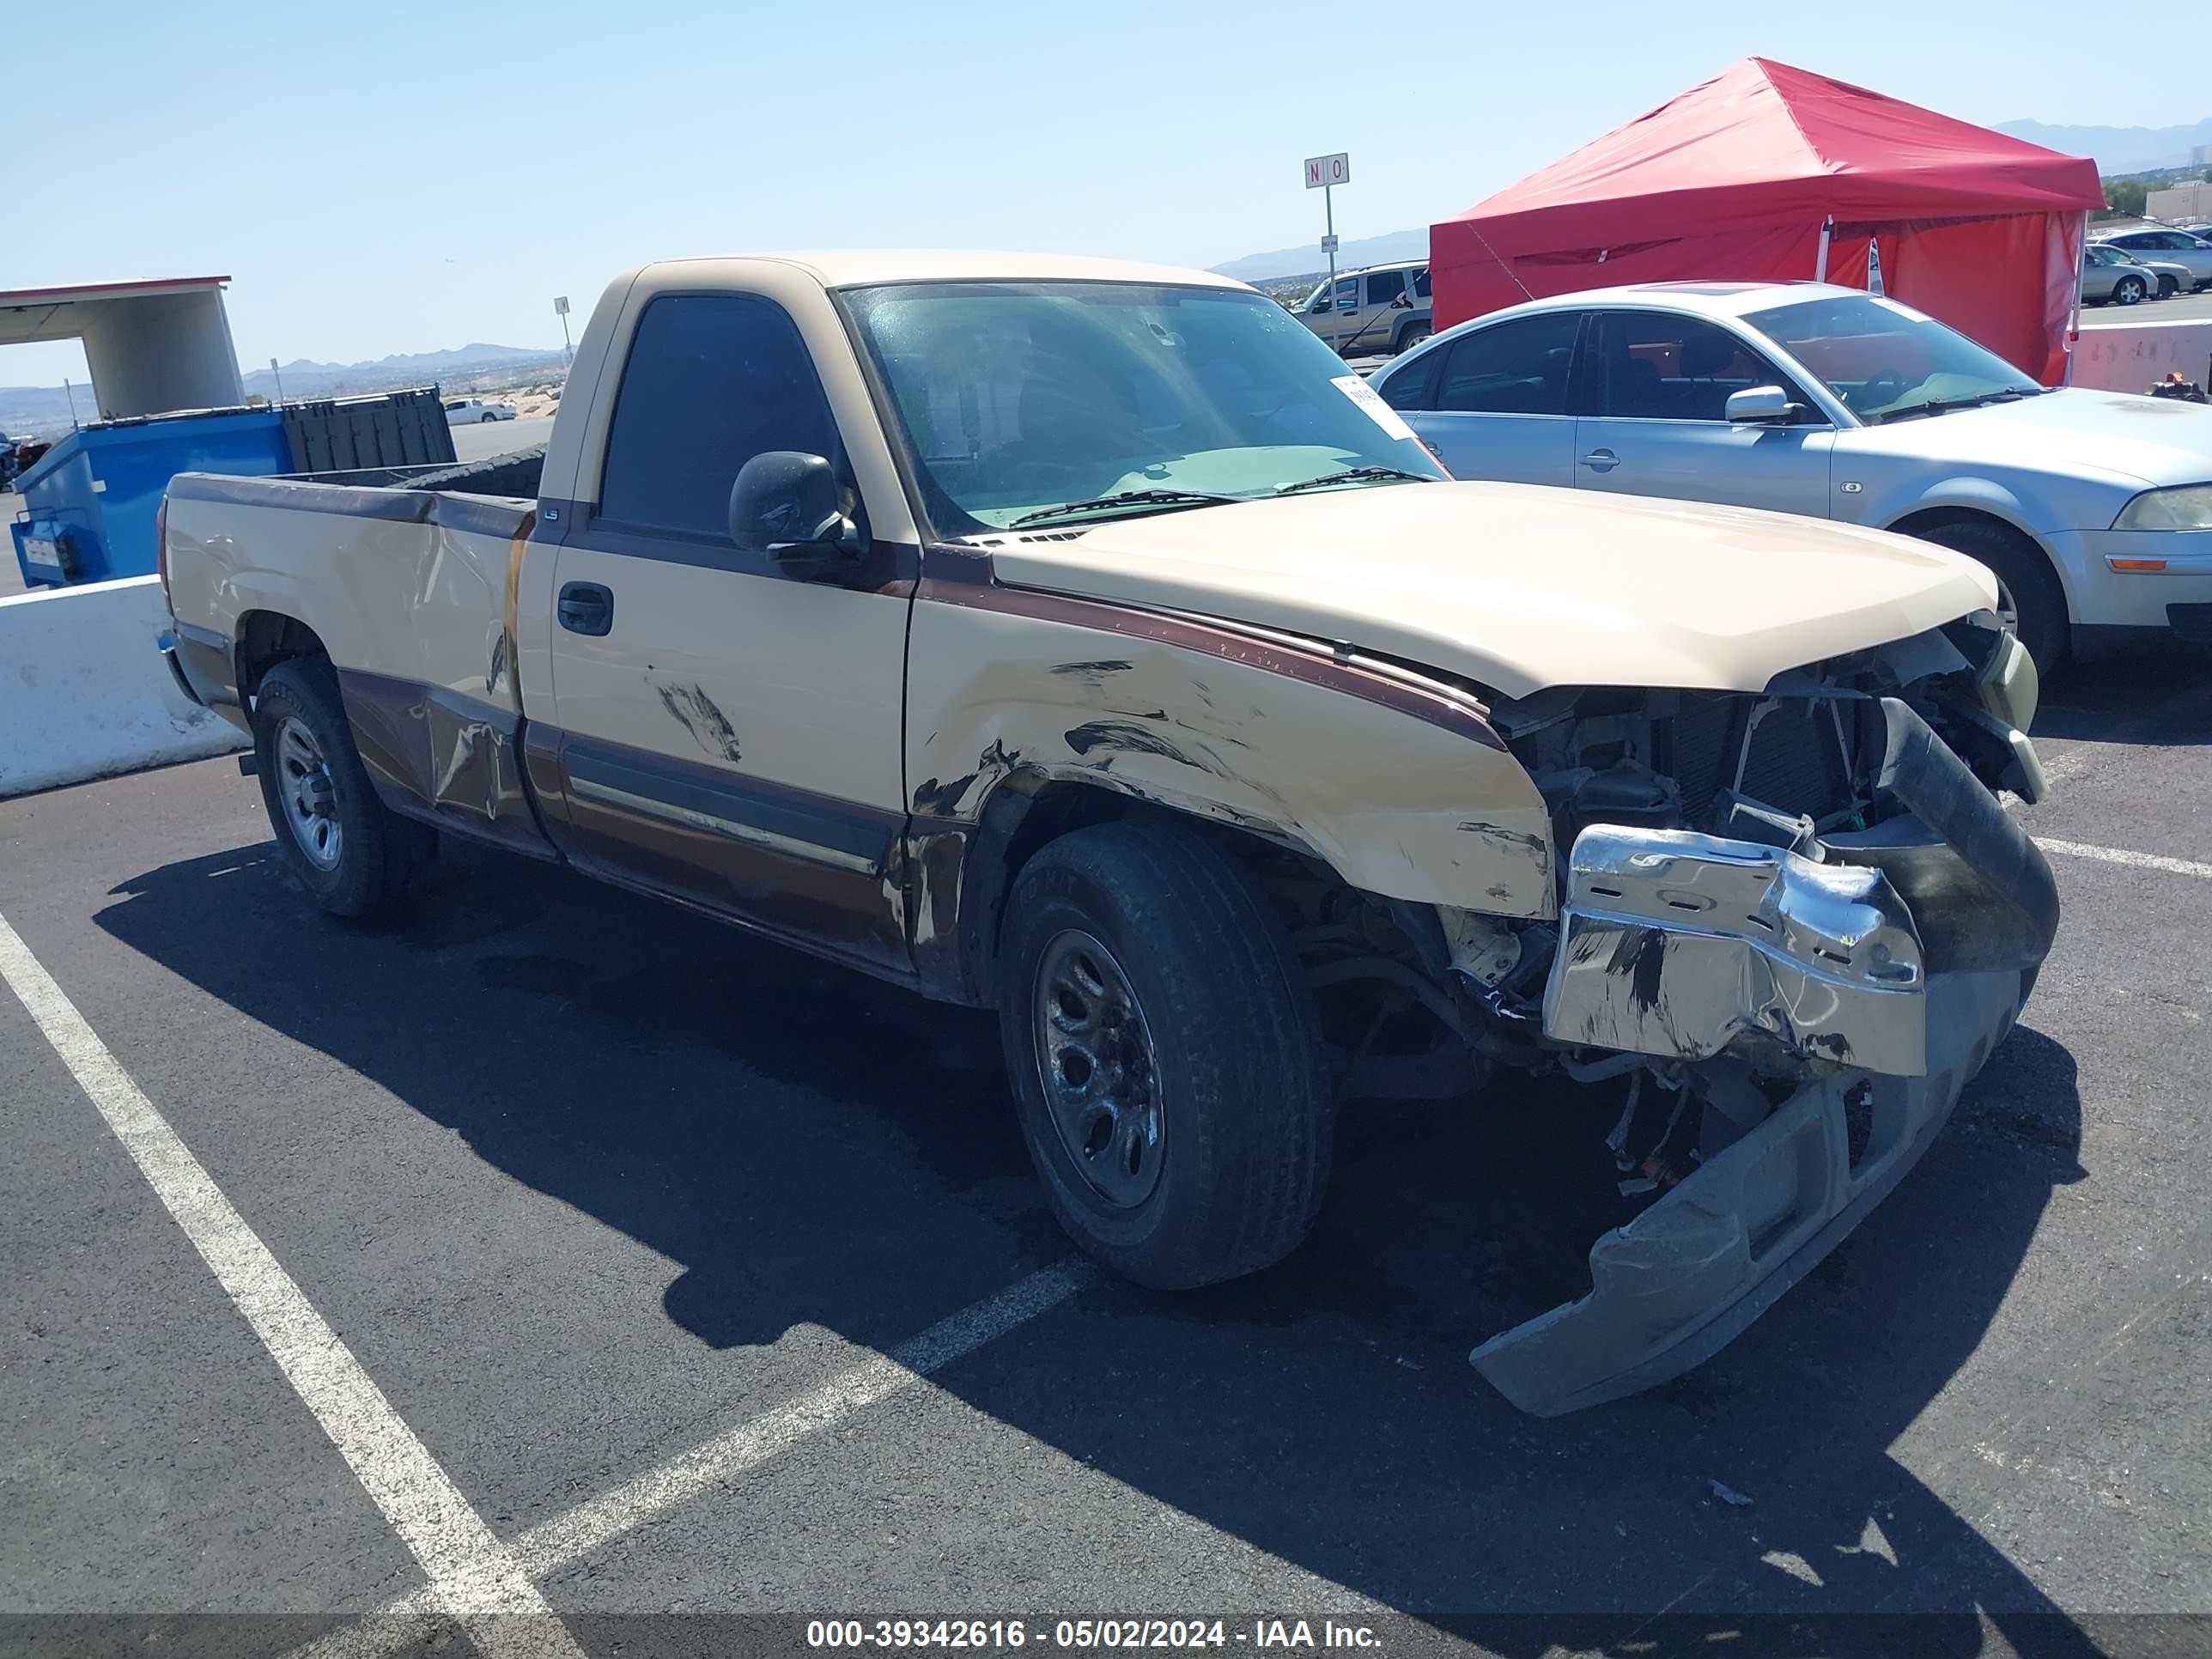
(729, 733)
(1658, 423)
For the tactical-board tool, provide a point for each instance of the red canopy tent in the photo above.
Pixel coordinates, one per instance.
(1771, 174)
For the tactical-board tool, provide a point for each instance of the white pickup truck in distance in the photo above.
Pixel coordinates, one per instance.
(1083, 640)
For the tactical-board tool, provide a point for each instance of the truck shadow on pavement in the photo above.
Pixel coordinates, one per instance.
(2131, 698)
(809, 1145)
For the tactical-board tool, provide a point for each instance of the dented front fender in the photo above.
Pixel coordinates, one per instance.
(1405, 794)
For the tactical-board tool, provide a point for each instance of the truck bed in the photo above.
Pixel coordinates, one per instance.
(412, 594)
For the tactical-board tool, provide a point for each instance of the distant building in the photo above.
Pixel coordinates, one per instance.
(2201, 156)
(2189, 203)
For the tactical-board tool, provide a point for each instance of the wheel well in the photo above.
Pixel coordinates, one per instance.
(1931, 519)
(1020, 818)
(266, 638)
(1377, 965)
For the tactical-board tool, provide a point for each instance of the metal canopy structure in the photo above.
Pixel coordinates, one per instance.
(152, 346)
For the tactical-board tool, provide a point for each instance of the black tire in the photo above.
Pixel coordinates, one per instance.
(2038, 601)
(1413, 334)
(2129, 291)
(486, 419)
(379, 853)
(2168, 286)
(1243, 1114)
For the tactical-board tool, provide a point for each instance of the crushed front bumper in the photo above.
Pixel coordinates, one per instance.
(1683, 946)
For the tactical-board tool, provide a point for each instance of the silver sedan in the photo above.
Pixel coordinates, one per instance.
(2094, 508)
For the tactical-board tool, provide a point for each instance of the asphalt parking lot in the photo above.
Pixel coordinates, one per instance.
(711, 1280)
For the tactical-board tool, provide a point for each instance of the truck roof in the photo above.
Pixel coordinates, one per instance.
(866, 267)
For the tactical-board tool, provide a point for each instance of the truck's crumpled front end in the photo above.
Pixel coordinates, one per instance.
(1799, 1002)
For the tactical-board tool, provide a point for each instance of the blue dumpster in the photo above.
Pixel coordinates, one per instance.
(89, 500)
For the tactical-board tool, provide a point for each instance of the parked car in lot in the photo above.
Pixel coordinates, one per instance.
(2094, 508)
(2177, 247)
(468, 411)
(1083, 641)
(2112, 275)
(1381, 308)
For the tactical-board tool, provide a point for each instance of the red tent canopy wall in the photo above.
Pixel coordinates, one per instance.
(1735, 179)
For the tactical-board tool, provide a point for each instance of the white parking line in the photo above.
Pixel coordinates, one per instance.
(2075, 849)
(474, 1578)
(413, 1620)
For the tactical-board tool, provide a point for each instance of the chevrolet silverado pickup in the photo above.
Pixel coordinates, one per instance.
(1082, 641)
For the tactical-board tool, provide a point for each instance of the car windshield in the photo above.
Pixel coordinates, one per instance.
(1077, 401)
(1885, 360)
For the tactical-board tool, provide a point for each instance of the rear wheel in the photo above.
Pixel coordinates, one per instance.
(1413, 334)
(353, 854)
(2130, 290)
(1164, 1054)
(2028, 595)
(486, 419)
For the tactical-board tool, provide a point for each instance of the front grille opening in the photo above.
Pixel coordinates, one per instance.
(1791, 754)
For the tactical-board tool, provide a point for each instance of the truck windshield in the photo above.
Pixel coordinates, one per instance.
(1886, 360)
(1016, 398)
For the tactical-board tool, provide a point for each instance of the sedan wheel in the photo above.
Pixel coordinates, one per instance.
(2130, 290)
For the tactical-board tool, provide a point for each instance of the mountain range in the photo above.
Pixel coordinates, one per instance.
(2117, 149)
(304, 377)
(48, 410)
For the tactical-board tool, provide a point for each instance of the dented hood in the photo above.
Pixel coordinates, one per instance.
(1520, 587)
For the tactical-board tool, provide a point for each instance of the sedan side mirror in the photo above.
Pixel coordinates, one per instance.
(1759, 406)
(785, 504)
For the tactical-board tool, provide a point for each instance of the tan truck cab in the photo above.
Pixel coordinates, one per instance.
(1083, 640)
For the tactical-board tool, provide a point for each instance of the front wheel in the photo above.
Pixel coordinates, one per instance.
(353, 854)
(1164, 1054)
(2130, 290)
(2029, 597)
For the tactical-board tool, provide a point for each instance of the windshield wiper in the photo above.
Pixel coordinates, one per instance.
(1944, 405)
(1126, 498)
(1356, 475)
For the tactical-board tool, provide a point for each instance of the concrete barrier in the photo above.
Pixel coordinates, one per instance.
(84, 692)
(2128, 357)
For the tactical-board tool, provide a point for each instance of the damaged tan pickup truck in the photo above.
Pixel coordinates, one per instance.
(1085, 641)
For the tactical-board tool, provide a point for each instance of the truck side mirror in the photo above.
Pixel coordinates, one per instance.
(785, 504)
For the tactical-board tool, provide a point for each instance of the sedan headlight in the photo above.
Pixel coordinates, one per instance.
(2188, 508)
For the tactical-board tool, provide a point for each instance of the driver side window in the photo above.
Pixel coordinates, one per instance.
(712, 381)
(1660, 365)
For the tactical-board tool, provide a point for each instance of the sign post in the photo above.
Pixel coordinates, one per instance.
(1324, 174)
(279, 373)
(561, 310)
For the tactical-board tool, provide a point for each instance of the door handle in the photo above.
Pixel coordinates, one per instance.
(1601, 461)
(585, 608)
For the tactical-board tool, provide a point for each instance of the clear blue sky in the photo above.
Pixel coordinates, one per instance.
(401, 177)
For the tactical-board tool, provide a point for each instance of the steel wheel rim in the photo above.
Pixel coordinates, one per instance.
(1098, 1069)
(2008, 607)
(310, 798)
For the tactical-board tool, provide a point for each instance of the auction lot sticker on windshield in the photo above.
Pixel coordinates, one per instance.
(1371, 400)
